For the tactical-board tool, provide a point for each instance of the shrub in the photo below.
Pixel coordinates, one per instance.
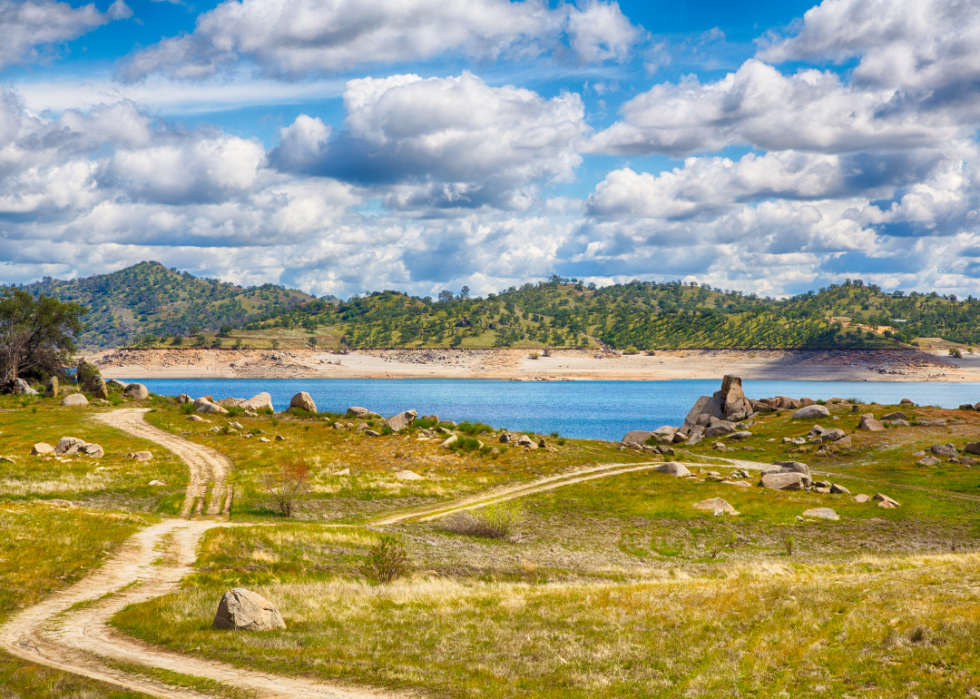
(788, 542)
(386, 430)
(387, 560)
(288, 485)
(465, 444)
(561, 441)
(955, 352)
(497, 521)
(473, 428)
(534, 355)
(187, 408)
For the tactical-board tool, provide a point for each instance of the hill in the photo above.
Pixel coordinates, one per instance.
(150, 299)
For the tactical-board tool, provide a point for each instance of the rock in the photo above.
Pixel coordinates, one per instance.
(947, 451)
(906, 401)
(235, 425)
(59, 503)
(966, 406)
(972, 448)
(93, 450)
(816, 430)
(634, 437)
(356, 411)
(242, 610)
(137, 391)
(861, 497)
(140, 455)
(525, 441)
(744, 434)
(69, 445)
(156, 483)
(896, 423)
(897, 415)
(718, 428)
(22, 388)
(74, 400)
(887, 505)
(260, 401)
(231, 402)
(372, 433)
(116, 383)
(665, 429)
(264, 439)
(834, 434)
(969, 461)
(677, 438)
(741, 484)
(881, 497)
(41, 448)
(821, 513)
(408, 476)
(717, 506)
(183, 399)
(836, 489)
(821, 490)
(250, 413)
(51, 388)
(344, 472)
(196, 418)
(869, 423)
(401, 420)
(303, 401)
(449, 442)
(673, 468)
(811, 411)
(928, 461)
(728, 404)
(203, 405)
(783, 481)
(279, 438)
(793, 467)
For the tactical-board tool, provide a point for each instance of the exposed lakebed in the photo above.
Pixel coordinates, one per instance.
(581, 409)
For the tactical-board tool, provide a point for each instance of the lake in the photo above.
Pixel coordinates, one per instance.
(581, 409)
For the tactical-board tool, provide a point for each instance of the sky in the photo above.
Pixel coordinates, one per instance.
(345, 146)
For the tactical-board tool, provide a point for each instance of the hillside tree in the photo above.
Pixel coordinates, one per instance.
(37, 334)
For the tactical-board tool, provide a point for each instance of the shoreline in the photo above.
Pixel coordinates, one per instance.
(518, 365)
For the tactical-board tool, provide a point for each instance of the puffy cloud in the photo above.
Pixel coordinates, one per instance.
(25, 26)
(300, 37)
(443, 142)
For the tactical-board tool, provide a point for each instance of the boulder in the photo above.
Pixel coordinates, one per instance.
(665, 429)
(401, 420)
(834, 434)
(260, 401)
(906, 401)
(356, 411)
(243, 610)
(673, 468)
(717, 506)
(137, 391)
(972, 448)
(116, 383)
(811, 411)
(140, 455)
(90, 379)
(881, 497)
(896, 423)
(51, 388)
(209, 407)
(408, 476)
(449, 442)
(869, 423)
(22, 388)
(821, 513)
(839, 489)
(783, 481)
(231, 402)
(633, 437)
(897, 415)
(196, 418)
(93, 450)
(966, 406)
(861, 497)
(718, 428)
(183, 399)
(69, 445)
(793, 467)
(41, 448)
(156, 483)
(728, 404)
(303, 401)
(928, 461)
(742, 434)
(946, 451)
(527, 442)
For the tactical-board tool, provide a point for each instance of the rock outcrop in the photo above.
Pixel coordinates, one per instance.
(869, 423)
(728, 404)
(52, 387)
(303, 401)
(401, 420)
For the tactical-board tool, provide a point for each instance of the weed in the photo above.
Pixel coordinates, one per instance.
(788, 542)
(387, 560)
(288, 486)
(497, 521)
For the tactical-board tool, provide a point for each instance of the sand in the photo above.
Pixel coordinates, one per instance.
(833, 365)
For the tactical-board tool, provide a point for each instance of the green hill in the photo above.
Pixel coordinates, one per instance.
(149, 299)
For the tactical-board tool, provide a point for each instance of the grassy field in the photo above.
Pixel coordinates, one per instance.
(612, 587)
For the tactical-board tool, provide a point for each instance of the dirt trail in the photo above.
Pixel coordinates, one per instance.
(207, 466)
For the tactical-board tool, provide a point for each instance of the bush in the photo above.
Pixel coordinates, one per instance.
(955, 352)
(187, 408)
(497, 521)
(473, 428)
(534, 355)
(387, 560)
(465, 444)
(287, 485)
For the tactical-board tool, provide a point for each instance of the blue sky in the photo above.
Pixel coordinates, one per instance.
(342, 146)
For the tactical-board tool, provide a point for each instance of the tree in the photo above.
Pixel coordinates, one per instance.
(37, 335)
(287, 485)
(311, 342)
(464, 293)
(225, 330)
(445, 296)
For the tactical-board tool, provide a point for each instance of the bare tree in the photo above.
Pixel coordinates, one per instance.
(289, 484)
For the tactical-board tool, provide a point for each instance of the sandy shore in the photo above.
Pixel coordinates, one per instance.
(837, 365)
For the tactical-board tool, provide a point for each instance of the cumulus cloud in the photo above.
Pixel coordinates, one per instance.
(443, 142)
(26, 28)
(302, 37)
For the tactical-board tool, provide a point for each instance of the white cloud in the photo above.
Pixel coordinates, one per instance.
(26, 28)
(302, 37)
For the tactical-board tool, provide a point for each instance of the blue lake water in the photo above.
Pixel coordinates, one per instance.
(581, 409)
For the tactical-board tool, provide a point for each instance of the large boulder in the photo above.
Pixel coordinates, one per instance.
(833, 434)
(897, 415)
(885, 501)
(183, 399)
(303, 401)
(137, 391)
(260, 401)
(52, 387)
(665, 430)
(357, 411)
(947, 451)
(22, 388)
(716, 506)
(784, 481)
(717, 428)
(205, 405)
(972, 448)
(728, 404)
(821, 513)
(74, 400)
(638, 437)
(41, 448)
(869, 423)
(243, 610)
(810, 412)
(116, 383)
(673, 468)
(401, 420)
(90, 379)
(69, 445)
